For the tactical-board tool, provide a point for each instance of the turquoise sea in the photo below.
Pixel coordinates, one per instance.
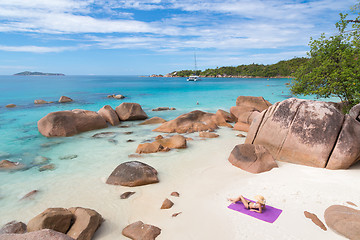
(18, 126)
(82, 163)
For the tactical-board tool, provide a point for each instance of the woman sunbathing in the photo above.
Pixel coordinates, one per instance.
(258, 206)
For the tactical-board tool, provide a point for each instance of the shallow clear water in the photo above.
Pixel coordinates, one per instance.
(80, 181)
(21, 139)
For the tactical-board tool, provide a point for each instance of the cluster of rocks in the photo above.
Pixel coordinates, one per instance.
(55, 223)
(162, 144)
(306, 132)
(163, 109)
(116, 96)
(69, 123)
(63, 99)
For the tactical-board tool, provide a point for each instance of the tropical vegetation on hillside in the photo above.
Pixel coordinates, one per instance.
(282, 68)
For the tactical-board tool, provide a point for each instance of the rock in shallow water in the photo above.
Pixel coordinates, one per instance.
(9, 165)
(69, 123)
(130, 112)
(126, 195)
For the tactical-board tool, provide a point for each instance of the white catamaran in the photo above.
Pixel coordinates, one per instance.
(194, 77)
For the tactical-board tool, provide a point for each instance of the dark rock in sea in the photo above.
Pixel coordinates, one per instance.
(13, 227)
(126, 195)
(130, 112)
(68, 157)
(252, 158)
(40, 160)
(105, 135)
(47, 167)
(10, 105)
(109, 114)
(113, 141)
(141, 231)
(315, 220)
(69, 123)
(50, 144)
(161, 109)
(116, 96)
(9, 165)
(65, 99)
(128, 133)
(133, 174)
(123, 126)
(45, 234)
(40, 101)
(130, 140)
(30, 194)
(343, 220)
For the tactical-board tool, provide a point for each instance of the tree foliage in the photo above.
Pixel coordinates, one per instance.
(282, 68)
(333, 68)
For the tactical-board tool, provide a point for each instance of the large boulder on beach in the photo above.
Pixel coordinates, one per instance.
(86, 222)
(130, 112)
(343, 220)
(57, 219)
(69, 123)
(133, 174)
(141, 231)
(44, 234)
(246, 109)
(65, 99)
(109, 114)
(259, 103)
(252, 158)
(194, 121)
(13, 227)
(307, 132)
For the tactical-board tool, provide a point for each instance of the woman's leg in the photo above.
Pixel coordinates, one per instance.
(244, 201)
(234, 200)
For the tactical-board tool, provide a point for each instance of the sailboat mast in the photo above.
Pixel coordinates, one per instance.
(195, 62)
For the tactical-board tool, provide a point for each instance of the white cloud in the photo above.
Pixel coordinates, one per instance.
(222, 26)
(35, 49)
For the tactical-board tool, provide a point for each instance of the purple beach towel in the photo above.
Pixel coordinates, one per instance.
(269, 214)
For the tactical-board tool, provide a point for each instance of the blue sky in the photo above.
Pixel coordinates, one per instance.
(121, 37)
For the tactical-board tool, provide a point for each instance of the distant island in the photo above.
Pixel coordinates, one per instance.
(282, 69)
(27, 73)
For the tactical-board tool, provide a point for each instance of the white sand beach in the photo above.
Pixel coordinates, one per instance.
(203, 177)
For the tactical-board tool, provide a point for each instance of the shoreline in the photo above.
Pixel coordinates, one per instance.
(204, 178)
